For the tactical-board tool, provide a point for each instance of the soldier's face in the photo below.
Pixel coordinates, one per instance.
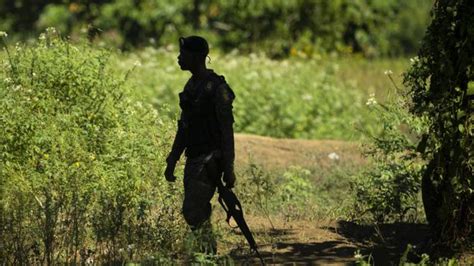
(185, 60)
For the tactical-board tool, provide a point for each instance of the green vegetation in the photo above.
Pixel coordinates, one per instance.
(388, 190)
(82, 156)
(80, 162)
(86, 122)
(278, 27)
(300, 98)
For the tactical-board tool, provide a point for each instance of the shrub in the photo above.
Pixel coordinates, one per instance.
(388, 190)
(80, 163)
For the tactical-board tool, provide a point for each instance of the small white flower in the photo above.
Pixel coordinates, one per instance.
(90, 261)
(413, 60)
(51, 30)
(388, 72)
(3, 34)
(307, 97)
(8, 80)
(17, 88)
(42, 37)
(357, 256)
(371, 101)
(333, 156)
(137, 64)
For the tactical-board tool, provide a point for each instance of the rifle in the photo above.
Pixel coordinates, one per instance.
(231, 205)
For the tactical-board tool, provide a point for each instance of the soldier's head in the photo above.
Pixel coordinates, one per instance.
(192, 52)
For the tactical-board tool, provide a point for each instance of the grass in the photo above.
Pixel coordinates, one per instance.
(321, 98)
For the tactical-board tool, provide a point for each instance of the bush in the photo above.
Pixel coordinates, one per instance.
(388, 190)
(80, 163)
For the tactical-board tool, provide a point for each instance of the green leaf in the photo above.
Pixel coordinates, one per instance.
(470, 88)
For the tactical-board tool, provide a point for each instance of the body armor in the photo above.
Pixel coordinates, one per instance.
(206, 120)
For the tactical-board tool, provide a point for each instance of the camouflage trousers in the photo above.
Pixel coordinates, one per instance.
(199, 188)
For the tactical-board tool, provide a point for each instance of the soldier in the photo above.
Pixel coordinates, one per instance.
(206, 135)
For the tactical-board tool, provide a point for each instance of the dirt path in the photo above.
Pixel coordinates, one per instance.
(275, 153)
(297, 243)
(329, 242)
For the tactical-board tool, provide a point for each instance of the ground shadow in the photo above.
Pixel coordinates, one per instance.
(300, 254)
(287, 251)
(385, 243)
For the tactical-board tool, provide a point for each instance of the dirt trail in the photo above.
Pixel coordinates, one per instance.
(329, 242)
(274, 153)
(315, 242)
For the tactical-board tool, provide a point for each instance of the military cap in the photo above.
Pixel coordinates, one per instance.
(194, 44)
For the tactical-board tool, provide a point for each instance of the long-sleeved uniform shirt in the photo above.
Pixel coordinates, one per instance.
(206, 122)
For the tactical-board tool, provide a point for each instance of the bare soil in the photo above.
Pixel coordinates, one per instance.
(277, 154)
(330, 242)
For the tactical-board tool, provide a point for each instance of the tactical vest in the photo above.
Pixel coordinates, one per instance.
(199, 120)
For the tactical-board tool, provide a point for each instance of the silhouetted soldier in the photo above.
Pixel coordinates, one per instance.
(206, 135)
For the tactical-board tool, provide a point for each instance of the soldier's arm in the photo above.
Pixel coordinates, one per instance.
(223, 104)
(178, 144)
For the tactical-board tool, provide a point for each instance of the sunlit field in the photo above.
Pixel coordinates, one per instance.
(324, 98)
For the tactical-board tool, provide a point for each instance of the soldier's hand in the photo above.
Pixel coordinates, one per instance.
(229, 179)
(169, 172)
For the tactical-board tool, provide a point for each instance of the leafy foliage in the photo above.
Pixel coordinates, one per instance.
(441, 81)
(375, 27)
(388, 189)
(80, 163)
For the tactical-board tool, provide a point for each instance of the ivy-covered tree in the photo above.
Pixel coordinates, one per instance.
(441, 80)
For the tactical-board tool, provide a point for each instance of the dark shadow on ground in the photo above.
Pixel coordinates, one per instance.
(301, 254)
(385, 243)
